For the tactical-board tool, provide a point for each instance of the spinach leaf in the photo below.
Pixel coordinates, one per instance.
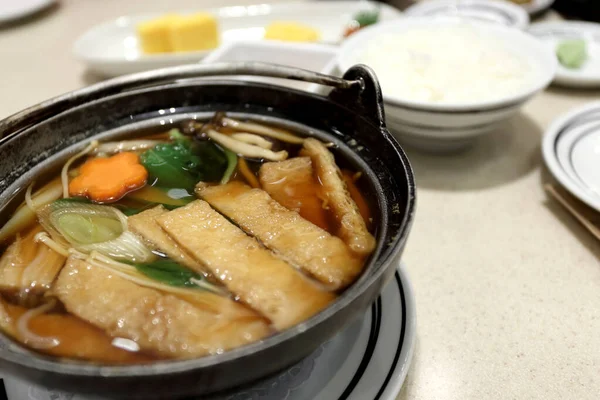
(213, 161)
(71, 200)
(169, 272)
(182, 163)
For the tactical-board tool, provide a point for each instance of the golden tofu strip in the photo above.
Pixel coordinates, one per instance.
(28, 264)
(160, 323)
(292, 184)
(260, 279)
(352, 228)
(291, 237)
(144, 224)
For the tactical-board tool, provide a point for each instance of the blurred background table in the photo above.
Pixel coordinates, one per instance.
(507, 283)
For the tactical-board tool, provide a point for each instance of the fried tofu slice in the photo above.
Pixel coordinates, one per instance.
(144, 224)
(352, 228)
(256, 276)
(160, 323)
(31, 265)
(292, 184)
(286, 233)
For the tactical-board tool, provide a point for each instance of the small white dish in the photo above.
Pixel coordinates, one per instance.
(11, 10)
(496, 11)
(313, 57)
(535, 7)
(452, 125)
(368, 360)
(112, 48)
(553, 32)
(571, 150)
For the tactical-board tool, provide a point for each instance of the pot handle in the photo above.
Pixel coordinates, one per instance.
(365, 99)
(35, 114)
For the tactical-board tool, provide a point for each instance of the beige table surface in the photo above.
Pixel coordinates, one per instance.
(507, 284)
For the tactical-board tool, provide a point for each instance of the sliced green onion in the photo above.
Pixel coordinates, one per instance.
(92, 227)
(232, 160)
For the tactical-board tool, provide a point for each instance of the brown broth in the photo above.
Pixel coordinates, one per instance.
(76, 338)
(81, 340)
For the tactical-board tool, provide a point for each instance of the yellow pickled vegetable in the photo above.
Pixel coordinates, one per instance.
(291, 32)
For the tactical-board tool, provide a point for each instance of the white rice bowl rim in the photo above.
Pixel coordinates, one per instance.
(518, 42)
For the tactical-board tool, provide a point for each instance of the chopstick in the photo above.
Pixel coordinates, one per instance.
(587, 217)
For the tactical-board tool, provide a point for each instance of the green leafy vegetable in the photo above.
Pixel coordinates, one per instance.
(365, 18)
(71, 200)
(175, 134)
(572, 53)
(169, 272)
(232, 161)
(182, 163)
(129, 211)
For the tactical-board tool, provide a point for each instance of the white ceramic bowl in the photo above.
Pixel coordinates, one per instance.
(445, 126)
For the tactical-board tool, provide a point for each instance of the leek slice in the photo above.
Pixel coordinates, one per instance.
(92, 227)
(232, 161)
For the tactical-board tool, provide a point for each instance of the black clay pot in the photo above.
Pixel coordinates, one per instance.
(37, 140)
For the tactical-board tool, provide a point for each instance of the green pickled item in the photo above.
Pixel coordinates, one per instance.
(572, 53)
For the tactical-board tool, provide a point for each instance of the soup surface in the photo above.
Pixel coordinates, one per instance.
(181, 244)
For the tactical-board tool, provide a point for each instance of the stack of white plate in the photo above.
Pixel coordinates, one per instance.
(449, 126)
(571, 149)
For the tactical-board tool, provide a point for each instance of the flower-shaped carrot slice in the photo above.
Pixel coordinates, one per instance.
(108, 179)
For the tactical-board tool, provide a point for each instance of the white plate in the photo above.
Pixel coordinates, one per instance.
(497, 11)
(576, 152)
(11, 10)
(313, 57)
(571, 150)
(369, 360)
(554, 32)
(537, 6)
(112, 48)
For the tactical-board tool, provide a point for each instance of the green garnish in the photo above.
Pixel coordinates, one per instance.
(365, 18)
(232, 161)
(71, 200)
(169, 272)
(91, 227)
(129, 211)
(182, 163)
(572, 53)
(87, 229)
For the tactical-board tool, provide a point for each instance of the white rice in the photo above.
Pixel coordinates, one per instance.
(446, 65)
